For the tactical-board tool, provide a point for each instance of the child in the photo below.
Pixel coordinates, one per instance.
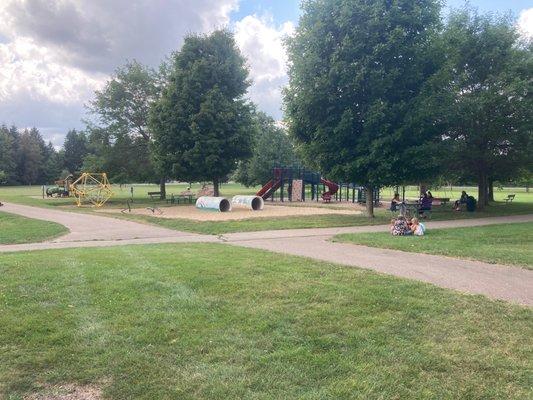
(418, 228)
(392, 222)
(400, 227)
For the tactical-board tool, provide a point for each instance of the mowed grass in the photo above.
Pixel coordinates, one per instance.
(257, 224)
(208, 321)
(15, 229)
(31, 196)
(510, 244)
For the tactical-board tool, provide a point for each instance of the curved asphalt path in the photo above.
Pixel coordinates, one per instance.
(507, 283)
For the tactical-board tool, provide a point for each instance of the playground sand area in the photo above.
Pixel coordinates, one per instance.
(193, 213)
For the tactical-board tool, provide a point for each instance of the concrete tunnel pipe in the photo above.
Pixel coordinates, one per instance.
(220, 204)
(254, 203)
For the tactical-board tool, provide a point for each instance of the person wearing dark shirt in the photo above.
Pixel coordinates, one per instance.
(425, 204)
(462, 200)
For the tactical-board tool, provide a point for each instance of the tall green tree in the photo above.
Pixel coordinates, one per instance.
(356, 81)
(121, 109)
(9, 140)
(271, 147)
(31, 157)
(486, 98)
(201, 124)
(76, 149)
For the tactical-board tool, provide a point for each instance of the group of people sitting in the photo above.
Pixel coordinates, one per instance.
(424, 204)
(401, 226)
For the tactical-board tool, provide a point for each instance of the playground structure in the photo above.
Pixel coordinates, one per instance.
(62, 188)
(295, 184)
(93, 188)
(220, 204)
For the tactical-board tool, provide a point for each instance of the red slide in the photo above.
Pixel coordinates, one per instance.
(332, 186)
(266, 191)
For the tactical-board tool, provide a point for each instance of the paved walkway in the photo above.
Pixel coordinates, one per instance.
(496, 281)
(89, 230)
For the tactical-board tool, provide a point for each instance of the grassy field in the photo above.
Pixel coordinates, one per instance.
(510, 244)
(31, 196)
(167, 321)
(15, 229)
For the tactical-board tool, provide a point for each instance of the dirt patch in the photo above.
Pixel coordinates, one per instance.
(68, 392)
(269, 211)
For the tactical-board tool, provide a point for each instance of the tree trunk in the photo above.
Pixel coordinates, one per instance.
(163, 188)
(369, 190)
(216, 185)
(482, 191)
(490, 190)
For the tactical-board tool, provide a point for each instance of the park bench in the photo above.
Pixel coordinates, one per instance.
(441, 201)
(154, 194)
(510, 198)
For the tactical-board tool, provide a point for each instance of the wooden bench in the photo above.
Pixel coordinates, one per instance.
(154, 194)
(441, 201)
(510, 198)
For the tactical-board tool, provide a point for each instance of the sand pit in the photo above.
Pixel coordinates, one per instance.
(191, 212)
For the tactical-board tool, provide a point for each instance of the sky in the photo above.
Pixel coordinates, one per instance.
(55, 53)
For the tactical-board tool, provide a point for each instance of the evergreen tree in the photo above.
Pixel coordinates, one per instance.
(31, 157)
(75, 147)
(8, 155)
(201, 124)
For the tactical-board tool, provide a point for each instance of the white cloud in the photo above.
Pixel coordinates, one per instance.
(55, 53)
(525, 23)
(261, 42)
(32, 69)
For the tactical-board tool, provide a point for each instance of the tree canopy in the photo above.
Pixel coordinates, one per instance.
(356, 78)
(202, 124)
(484, 94)
(119, 138)
(271, 147)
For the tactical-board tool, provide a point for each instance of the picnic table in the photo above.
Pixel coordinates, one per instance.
(186, 196)
(412, 207)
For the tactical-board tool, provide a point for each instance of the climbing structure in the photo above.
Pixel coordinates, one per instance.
(92, 188)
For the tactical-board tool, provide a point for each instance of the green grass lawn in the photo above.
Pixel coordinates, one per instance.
(16, 229)
(257, 224)
(217, 322)
(510, 244)
(31, 196)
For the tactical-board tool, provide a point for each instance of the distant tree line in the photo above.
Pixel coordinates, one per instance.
(26, 159)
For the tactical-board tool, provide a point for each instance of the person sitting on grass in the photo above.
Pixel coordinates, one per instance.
(462, 200)
(417, 227)
(400, 227)
(425, 204)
